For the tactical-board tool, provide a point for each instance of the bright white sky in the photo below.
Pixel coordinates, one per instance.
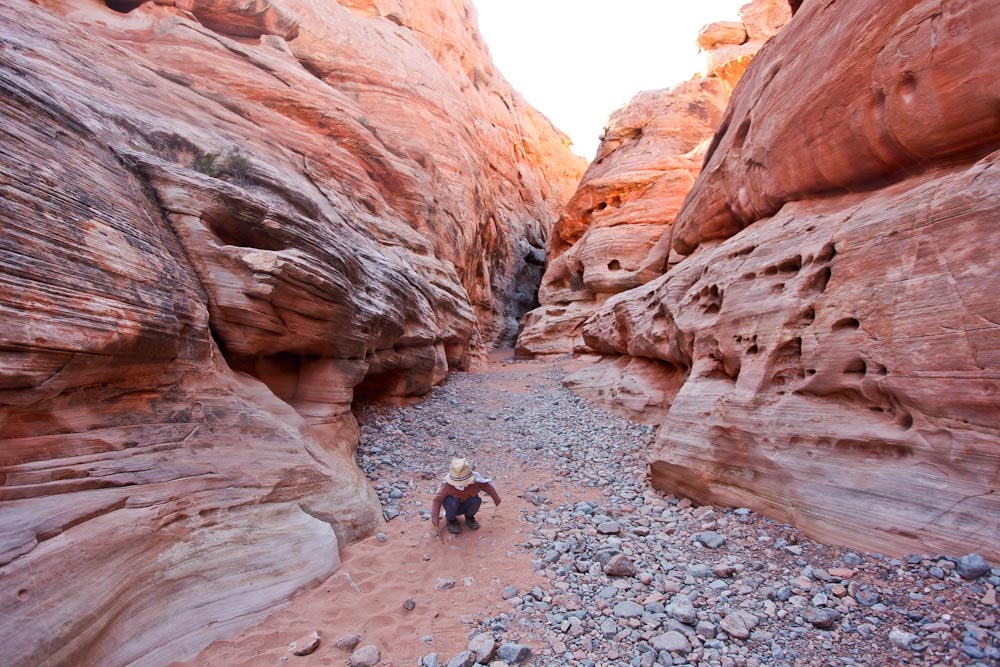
(576, 61)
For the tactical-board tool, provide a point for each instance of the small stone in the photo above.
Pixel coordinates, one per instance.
(430, 660)
(672, 642)
(681, 609)
(902, 639)
(620, 566)
(409, 604)
(972, 566)
(463, 659)
(821, 618)
(989, 597)
(711, 539)
(366, 656)
(739, 624)
(508, 592)
(609, 628)
(445, 584)
(305, 645)
(348, 642)
(609, 528)
(484, 646)
(627, 609)
(381, 537)
(514, 653)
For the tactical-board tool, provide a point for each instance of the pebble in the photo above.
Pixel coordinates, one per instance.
(463, 659)
(620, 566)
(484, 646)
(348, 642)
(366, 656)
(514, 653)
(672, 642)
(972, 566)
(409, 604)
(711, 539)
(305, 645)
(820, 617)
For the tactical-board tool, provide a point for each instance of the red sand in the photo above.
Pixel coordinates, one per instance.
(366, 594)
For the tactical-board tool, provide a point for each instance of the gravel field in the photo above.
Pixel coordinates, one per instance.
(638, 577)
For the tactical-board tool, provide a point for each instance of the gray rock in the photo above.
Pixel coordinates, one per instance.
(700, 571)
(681, 609)
(348, 642)
(409, 604)
(821, 618)
(609, 628)
(705, 629)
(628, 609)
(672, 642)
(430, 660)
(711, 539)
(463, 659)
(609, 528)
(366, 656)
(739, 624)
(484, 646)
(445, 584)
(514, 653)
(902, 639)
(972, 566)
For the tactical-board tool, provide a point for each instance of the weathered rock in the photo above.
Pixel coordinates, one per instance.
(366, 656)
(627, 609)
(739, 623)
(514, 653)
(672, 641)
(484, 646)
(848, 357)
(682, 609)
(305, 645)
(620, 565)
(821, 617)
(463, 659)
(972, 566)
(348, 642)
(215, 242)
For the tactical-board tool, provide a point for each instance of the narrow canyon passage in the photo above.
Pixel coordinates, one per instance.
(587, 564)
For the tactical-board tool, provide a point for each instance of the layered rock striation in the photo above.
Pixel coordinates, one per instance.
(614, 233)
(828, 350)
(224, 222)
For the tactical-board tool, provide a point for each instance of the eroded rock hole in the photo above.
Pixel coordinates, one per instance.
(808, 316)
(791, 266)
(846, 323)
(820, 280)
(828, 252)
(614, 265)
(856, 367)
(233, 231)
(123, 6)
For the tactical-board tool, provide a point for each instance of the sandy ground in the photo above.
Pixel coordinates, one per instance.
(366, 595)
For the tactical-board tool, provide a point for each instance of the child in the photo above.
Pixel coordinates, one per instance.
(459, 494)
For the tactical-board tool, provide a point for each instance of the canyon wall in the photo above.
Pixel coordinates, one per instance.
(222, 223)
(828, 349)
(614, 233)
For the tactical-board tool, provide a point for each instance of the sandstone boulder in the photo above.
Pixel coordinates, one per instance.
(224, 222)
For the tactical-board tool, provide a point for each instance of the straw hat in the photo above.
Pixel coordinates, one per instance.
(460, 472)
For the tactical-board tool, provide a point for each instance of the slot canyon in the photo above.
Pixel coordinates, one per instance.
(270, 266)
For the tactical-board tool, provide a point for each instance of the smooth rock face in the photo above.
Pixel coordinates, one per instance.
(217, 235)
(913, 88)
(840, 358)
(614, 233)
